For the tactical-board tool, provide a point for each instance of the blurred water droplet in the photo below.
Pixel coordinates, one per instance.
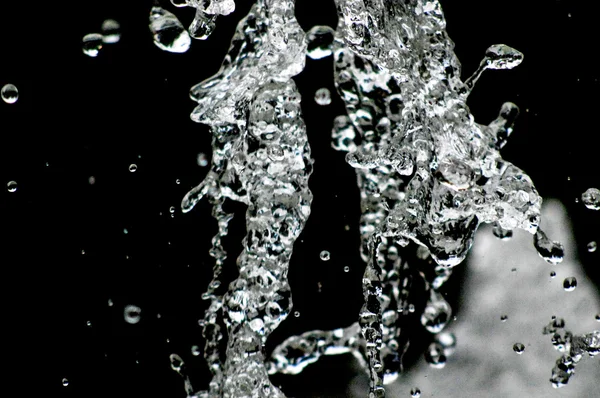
(504, 318)
(592, 246)
(325, 255)
(552, 252)
(570, 283)
(598, 317)
(435, 356)
(296, 314)
(591, 198)
(195, 350)
(346, 269)
(132, 167)
(11, 186)
(415, 393)
(319, 41)
(411, 308)
(323, 96)
(92, 44)
(176, 362)
(65, 382)
(92, 180)
(110, 303)
(169, 34)
(172, 209)
(9, 93)
(518, 348)
(501, 56)
(202, 160)
(132, 314)
(552, 274)
(125, 231)
(501, 233)
(111, 31)
(89, 323)
(448, 342)
(178, 181)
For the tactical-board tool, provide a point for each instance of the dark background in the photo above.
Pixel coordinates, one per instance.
(64, 250)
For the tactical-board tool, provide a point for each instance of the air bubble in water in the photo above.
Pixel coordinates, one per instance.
(518, 348)
(320, 42)
(11, 186)
(325, 255)
(111, 31)
(592, 246)
(92, 44)
(591, 198)
(132, 167)
(552, 252)
(132, 314)
(323, 96)
(195, 350)
(169, 34)
(65, 382)
(570, 283)
(9, 93)
(415, 393)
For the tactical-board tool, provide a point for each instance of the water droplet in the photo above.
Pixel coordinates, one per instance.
(592, 246)
(411, 308)
(195, 350)
(172, 209)
(323, 96)
(296, 314)
(504, 318)
(132, 168)
(552, 252)
(591, 198)
(176, 362)
(111, 31)
(415, 393)
(518, 348)
(11, 186)
(92, 180)
(178, 181)
(346, 269)
(92, 44)
(169, 34)
(501, 56)
(552, 274)
(448, 342)
(435, 356)
(202, 159)
(325, 255)
(125, 231)
(65, 382)
(598, 317)
(570, 283)
(437, 313)
(110, 303)
(132, 314)
(9, 93)
(319, 41)
(89, 323)
(501, 233)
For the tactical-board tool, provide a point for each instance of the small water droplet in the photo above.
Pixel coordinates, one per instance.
(415, 393)
(552, 252)
(346, 269)
(552, 274)
(89, 323)
(591, 198)
(178, 181)
(110, 303)
(570, 283)
(176, 362)
(92, 44)
(132, 167)
(92, 180)
(435, 356)
(504, 318)
(172, 209)
(65, 382)
(592, 246)
(411, 308)
(202, 159)
(132, 314)
(325, 255)
(598, 317)
(195, 350)
(518, 348)
(323, 96)
(296, 314)
(319, 41)
(9, 93)
(11, 186)
(111, 31)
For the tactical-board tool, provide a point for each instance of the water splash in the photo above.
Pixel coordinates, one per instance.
(206, 15)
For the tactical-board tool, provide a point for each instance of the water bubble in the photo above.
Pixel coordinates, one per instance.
(591, 198)
(169, 34)
(65, 382)
(552, 252)
(325, 255)
(132, 314)
(132, 168)
(9, 93)
(202, 159)
(592, 246)
(11, 186)
(518, 348)
(319, 41)
(415, 393)
(92, 44)
(195, 350)
(570, 283)
(323, 96)
(504, 318)
(346, 269)
(111, 31)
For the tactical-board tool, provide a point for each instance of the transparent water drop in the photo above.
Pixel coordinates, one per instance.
(89, 324)
(110, 303)
(319, 41)
(323, 96)
(111, 31)
(168, 33)
(346, 269)
(202, 159)
(178, 181)
(518, 348)
(570, 283)
(296, 314)
(176, 362)
(132, 314)
(196, 350)
(65, 382)
(202, 25)
(591, 198)
(172, 209)
(9, 93)
(434, 356)
(92, 44)
(552, 274)
(91, 180)
(501, 233)
(180, 3)
(125, 231)
(325, 255)
(501, 56)
(592, 246)
(133, 168)
(552, 252)
(11, 186)
(448, 342)
(415, 393)
(411, 308)
(504, 318)
(436, 314)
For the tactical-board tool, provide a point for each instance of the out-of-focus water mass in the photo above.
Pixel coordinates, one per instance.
(392, 174)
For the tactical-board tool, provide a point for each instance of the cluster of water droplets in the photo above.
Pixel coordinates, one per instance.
(110, 33)
(573, 347)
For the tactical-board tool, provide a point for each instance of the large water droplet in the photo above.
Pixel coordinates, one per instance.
(436, 314)
(501, 56)
(132, 314)
(591, 198)
(111, 31)
(9, 93)
(518, 348)
(570, 283)
(133, 167)
(169, 34)
(323, 96)
(11, 186)
(92, 44)
(319, 42)
(552, 252)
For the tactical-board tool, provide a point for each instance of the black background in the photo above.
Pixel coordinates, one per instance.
(64, 252)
